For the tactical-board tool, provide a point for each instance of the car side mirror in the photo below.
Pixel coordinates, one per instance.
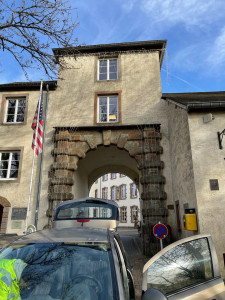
(153, 294)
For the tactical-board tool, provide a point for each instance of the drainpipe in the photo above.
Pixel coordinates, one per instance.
(41, 163)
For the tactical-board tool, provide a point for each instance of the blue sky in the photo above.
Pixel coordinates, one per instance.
(194, 29)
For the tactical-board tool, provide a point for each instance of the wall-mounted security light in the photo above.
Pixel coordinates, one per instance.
(220, 138)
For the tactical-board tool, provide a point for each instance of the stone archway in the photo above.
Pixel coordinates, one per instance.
(141, 142)
(4, 212)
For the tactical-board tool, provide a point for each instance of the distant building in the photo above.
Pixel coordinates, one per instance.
(121, 189)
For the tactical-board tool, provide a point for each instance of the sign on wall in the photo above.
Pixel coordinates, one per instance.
(19, 213)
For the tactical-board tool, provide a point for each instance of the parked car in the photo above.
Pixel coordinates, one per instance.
(91, 264)
(87, 212)
(72, 263)
(185, 270)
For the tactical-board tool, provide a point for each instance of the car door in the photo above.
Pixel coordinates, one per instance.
(185, 270)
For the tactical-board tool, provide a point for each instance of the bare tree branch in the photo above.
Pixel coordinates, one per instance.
(30, 28)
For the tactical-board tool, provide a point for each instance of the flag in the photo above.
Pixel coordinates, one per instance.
(37, 126)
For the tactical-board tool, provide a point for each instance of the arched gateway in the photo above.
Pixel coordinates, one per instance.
(135, 150)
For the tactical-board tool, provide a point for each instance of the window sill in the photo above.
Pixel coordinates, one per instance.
(13, 123)
(9, 180)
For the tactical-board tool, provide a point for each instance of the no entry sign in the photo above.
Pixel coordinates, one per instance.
(160, 231)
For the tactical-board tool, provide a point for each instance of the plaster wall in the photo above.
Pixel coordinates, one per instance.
(183, 181)
(14, 137)
(139, 80)
(209, 163)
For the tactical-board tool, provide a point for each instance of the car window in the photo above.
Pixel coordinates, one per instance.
(182, 266)
(81, 270)
(85, 210)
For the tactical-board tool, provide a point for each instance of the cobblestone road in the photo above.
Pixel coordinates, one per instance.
(132, 245)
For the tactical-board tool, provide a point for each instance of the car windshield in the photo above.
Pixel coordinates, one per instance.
(82, 271)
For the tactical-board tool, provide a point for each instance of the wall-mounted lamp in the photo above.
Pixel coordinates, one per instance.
(220, 138)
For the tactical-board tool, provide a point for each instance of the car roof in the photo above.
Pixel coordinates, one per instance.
(67, 235)
(86, 199)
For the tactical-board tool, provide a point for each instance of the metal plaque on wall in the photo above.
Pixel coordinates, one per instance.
(19, 213)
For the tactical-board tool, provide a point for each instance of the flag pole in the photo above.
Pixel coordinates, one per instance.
(33, 160)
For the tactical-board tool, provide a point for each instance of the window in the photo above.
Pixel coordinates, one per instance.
(123, 191)
(122, 175)
(105, 177)
(133, 190)
(15, 110)
(9, 165)
(134, 214)
(123, 214)
(105, 193)
(108, 108)
(96, 193)
(108, 69)
(113, 175)
(113, 192)
(183, 266)
(95, 213)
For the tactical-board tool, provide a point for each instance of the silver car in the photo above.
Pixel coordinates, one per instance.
(72, 263)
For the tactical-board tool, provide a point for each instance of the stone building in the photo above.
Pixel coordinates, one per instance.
(107, 114)
(124, 192)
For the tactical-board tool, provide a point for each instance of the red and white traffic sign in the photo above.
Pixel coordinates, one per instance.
(160, 231)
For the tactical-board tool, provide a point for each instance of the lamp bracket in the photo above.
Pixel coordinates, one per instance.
(220, 138)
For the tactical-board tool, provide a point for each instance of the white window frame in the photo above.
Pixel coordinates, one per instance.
(105, 177)
(133, 190)
(108, 105)
(123, 189)
(123, 214)
(113, 192)
(9, 164)
(16, 110)
(105, 193)
(108, 67)
(134, 213)
(113, 175)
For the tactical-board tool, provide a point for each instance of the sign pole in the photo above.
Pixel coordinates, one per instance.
(161, 244)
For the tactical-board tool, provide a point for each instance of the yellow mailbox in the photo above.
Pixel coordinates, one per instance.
(190, 220)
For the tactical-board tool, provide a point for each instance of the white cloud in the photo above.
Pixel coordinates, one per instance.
(216, 57)
(189, 12)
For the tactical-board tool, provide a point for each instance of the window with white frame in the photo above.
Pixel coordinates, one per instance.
(123, 214)
(113, 192)
(15, 110)
(9, 165)
(108, 69)
(105, 193)
(108, 108)
(113, 175)
(133, 190)
(123, 191)
(134, 214)
(105, 177)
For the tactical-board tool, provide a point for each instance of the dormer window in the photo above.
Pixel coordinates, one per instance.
(108, 69)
